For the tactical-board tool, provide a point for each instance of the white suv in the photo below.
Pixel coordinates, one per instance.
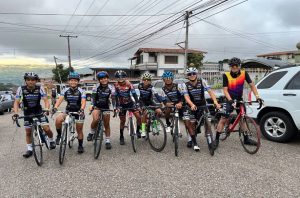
(279, 119)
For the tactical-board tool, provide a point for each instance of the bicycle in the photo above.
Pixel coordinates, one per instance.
(175, 128)
(131, 127)
(98, 136)
(68, 127)
(155, 129)
(38, 136)
(205, 121)
(245, 121)
(53, 101)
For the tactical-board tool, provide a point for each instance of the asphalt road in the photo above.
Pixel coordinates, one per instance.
(272, 172)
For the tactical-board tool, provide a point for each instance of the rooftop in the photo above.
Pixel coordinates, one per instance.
(167, 50)
(278, 53)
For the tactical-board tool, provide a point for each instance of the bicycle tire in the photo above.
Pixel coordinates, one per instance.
(175, 136)
(152, 133)
(132, 134)
(98, 139)
(253, 133)
(72, 133)
(63, 144)
(209, 136)
(36, 145)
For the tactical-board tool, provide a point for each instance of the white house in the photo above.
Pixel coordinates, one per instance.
(158, 60)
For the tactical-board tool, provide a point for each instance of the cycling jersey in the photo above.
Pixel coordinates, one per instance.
(73, 98)
(196, 92)
(235, 83)
(101, 96)
(147, 93)
(174, 94)
(31, 99)
(122, 93)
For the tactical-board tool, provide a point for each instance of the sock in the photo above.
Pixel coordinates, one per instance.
(107, 140)
(92, 131)
(58, 132)
(217, 135)
(193, 137)
(80, 142)
(143, 127)
(29, 147)
(121, 132)
(189, 138)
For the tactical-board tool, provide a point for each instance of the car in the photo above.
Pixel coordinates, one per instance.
(6, 102)
(279, 119)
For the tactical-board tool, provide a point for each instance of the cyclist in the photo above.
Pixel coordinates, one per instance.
(123, 101)
(233, 85)
(174, 94)
(32, 95)
(76, 101)
(196, 88)
(53, 96)
(101, 100)
(147, 92)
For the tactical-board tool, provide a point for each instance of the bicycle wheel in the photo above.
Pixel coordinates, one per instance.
(156, 134)
(209, 135)
(132, 135)
(36, 145)
(63, 144)
(175, 136)
(249, 134)
(72, 134)
(98, 139)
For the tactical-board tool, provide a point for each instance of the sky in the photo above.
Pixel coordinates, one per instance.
(29, 33)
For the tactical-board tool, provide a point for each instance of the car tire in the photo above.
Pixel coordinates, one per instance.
(288, 130)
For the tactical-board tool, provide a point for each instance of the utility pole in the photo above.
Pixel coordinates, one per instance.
(186, 46)
(69, 50)
(58, 72)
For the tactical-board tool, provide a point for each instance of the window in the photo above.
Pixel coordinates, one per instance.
(294, 83)
(271, 80)
(171, 59)
(141, 59)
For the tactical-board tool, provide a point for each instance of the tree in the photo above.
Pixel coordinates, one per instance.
(59, 69)
(196, 59)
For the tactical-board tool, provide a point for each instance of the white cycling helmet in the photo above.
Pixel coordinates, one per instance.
(146, 76)
(191, 70)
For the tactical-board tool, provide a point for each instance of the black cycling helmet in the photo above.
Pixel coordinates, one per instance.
(31, 75)
(120, 74)
(234, 61)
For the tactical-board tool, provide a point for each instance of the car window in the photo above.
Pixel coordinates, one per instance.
(294, 83)
(271, 80)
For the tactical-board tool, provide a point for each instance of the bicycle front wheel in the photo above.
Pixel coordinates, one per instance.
(63, 144)
(207, 126)
(176, 136)
(37, 145)
(98, 139)
(156, 134)
(132, 134)
(249, 134)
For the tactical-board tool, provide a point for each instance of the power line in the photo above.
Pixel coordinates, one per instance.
(84, 15)
(72, 16)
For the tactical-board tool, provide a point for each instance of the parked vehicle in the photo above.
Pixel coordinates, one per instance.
(6, 102)
(279, 119)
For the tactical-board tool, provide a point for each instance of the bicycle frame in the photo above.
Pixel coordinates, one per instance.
(237, 119)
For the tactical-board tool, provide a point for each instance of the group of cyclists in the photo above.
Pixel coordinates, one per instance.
(121, 96)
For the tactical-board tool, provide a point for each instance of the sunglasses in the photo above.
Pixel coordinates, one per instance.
(168, 78)
(146, 80)
(192, 74)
